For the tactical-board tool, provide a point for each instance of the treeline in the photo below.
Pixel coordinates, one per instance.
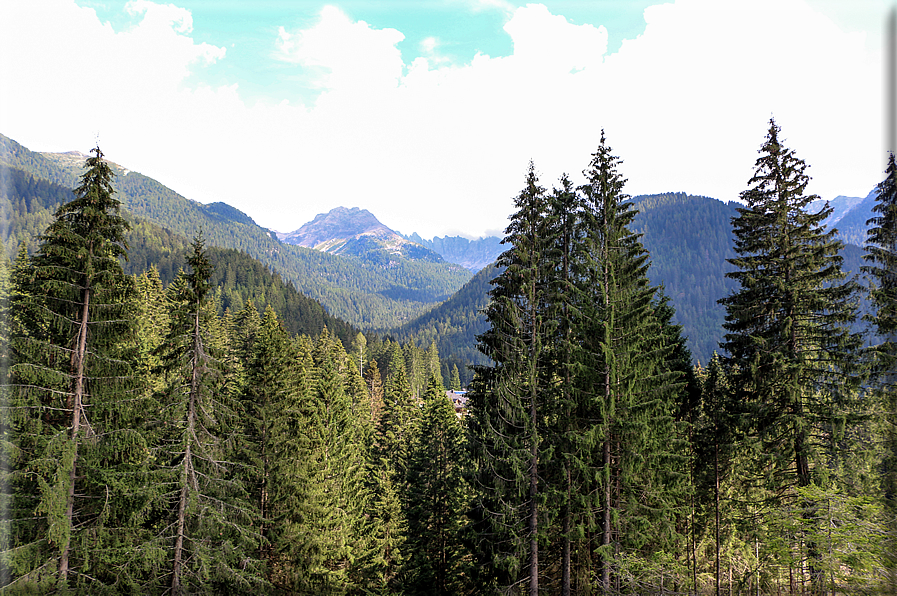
(153, 445)
(156, 443)
(604, 463)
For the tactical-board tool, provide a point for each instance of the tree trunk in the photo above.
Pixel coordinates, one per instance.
(187, 477)
(565, 557)
(77, 409)
(534, 511)
(716, 498)
(606, 522)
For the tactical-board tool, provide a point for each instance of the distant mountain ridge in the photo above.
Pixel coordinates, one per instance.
(470, 254)
(375, 290)
(849, 216)
(356, 232)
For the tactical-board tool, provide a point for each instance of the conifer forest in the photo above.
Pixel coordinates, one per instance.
(157, 441)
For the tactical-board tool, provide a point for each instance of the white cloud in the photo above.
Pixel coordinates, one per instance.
(547, 42)
(431, 146)
(356, 55)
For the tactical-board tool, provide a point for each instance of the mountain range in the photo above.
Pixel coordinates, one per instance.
(356, 232)
(373, 278)
(375, 289)
(849, 216)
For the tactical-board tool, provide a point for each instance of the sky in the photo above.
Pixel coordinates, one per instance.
(427, 113)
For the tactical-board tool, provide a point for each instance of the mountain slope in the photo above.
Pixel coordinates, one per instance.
(237, 277)
(379, 291)
(455, 324)
(851, 225)
(689, 239)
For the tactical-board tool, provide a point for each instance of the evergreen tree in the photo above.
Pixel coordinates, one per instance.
(215, 542)
(882, 256)
(787, 325)
(270, 403)
(400, 415)
(152, 326)
(71, 377)
(335, 499)
(375, 388)
(387, 523)
(565, 211)
(456, 379)
(713, 443)
(509, 439)
(437, 500)
(245, 325)
(625, 378)
(294, 481)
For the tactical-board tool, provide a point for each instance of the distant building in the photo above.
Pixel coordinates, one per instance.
(459, 400)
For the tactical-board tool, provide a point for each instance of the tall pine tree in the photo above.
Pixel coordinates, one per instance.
(787, 334)
(624, 378)
(512, 415)
(71, 379)
(882, 256)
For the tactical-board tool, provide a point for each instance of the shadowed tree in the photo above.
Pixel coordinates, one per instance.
(787, 334)
(882, 255)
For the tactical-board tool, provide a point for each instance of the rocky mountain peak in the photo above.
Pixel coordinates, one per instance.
(339, 224)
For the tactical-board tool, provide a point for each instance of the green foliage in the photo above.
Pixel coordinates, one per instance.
(512, 441)
(437, 501)
(882, 258)
(73, 399)
(787, 326)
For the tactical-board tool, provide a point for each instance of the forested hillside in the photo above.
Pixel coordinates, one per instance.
(184, 440)
(689, 239)
(455, 324)
(377, 292)
(238, 277)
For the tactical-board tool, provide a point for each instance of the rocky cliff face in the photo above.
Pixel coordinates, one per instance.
(470, 254)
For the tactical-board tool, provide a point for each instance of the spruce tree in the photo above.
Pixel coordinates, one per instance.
(624, 376)
(271, 402)
(882, 255)
(456, 379)
(71, 378)
(437, 500)
(787, 334)
(215, 540)
(565, 211)
(336, 498)
(385, 512)
(509, 439)
(400, 416)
